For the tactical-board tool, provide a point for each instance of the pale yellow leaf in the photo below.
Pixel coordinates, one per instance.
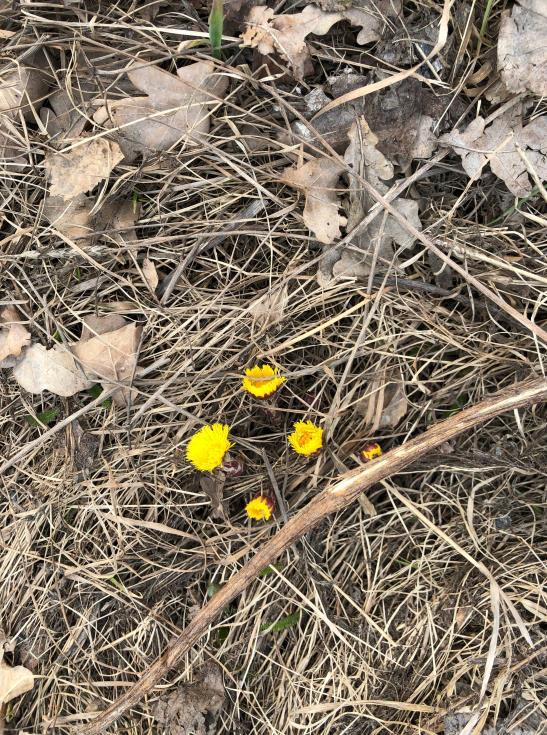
(14, 681)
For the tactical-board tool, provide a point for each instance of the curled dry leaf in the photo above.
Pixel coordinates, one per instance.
(83, 167)
(150, 274)
(384, 407)
(507, 146)
(286, 34)
(318, 179)
(522, 47)
(377, 241)
(111, 355)
(14, 681)
(185, 99)
(13, 335)
(213, 486)
(54, 370)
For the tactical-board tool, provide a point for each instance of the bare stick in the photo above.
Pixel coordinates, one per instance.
(336, 497)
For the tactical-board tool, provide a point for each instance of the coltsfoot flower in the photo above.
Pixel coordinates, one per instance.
(260, 508)
(262, 381)
(307, 438)
(206, 449)
(370, 451)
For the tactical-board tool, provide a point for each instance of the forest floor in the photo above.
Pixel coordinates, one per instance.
(171, 216)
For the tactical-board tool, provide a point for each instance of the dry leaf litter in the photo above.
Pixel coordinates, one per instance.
(128, 154)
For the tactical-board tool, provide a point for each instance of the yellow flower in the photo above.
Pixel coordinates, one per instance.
(370, 451)
(307, 438)
(262, 381)
(206, 449)
(260, 508)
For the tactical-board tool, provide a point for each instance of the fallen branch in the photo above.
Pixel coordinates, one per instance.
(336, 497)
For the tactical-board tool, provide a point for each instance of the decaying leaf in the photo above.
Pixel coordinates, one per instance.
(71, 218)
(507, 146)
(191, 709)
(150, 274)
(384, 407)
(54, 370)
(286, 34)
(402, 117)
(95, 325)
(116, 218)
(522, 47)
(318, 179)
(14, 681)
(23, 88)
(111, 355)
(83, 167)
(377, 241)
(213, 486)
(269, 309)
(13, 335)
(185, 99)
(63, 119)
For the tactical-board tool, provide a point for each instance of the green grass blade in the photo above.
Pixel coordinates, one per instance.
(216, 24)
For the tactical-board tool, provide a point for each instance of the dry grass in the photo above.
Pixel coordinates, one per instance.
(101, 566)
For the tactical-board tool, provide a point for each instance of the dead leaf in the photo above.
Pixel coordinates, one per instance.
(499, 144)
(213, 487)
(286, 34)
(13, 335)
(384, 407)
(188, 96)
(192, 709)
(378, 239)
(150, 274)
(116, 218)
(95, 325)
(54, 370)
(83, 167)
(71, 218)
(14, 681)
(111, 355)
(269, 309)
(402, 117)
(23, 87)
(522, 47)
(64, 119)
(318, 179)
